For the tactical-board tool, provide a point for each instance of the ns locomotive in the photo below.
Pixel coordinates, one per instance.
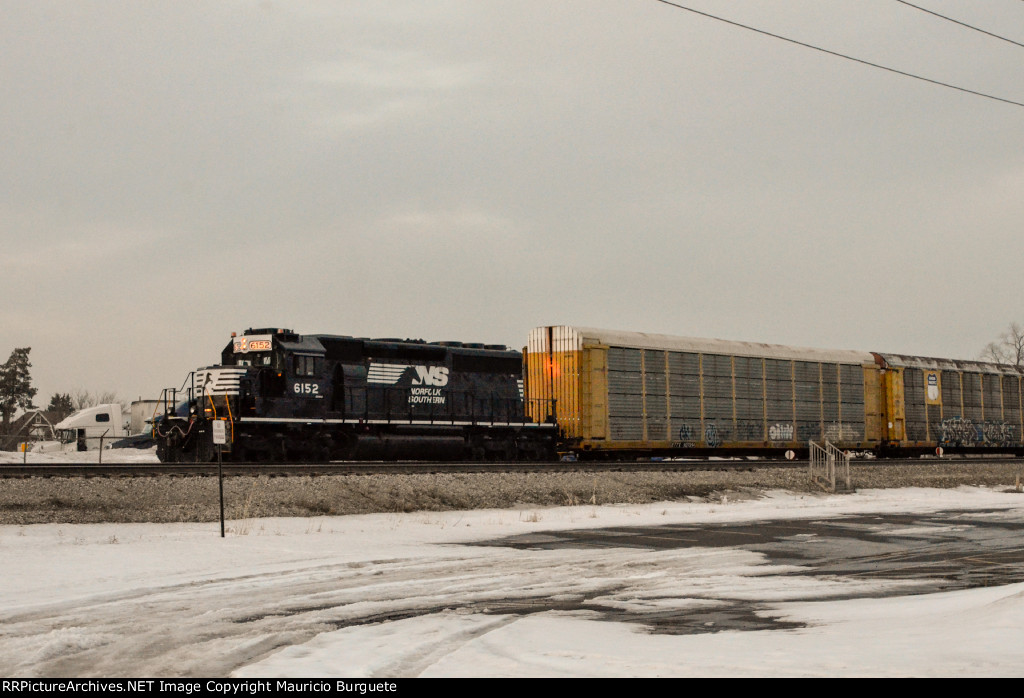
(285, 396)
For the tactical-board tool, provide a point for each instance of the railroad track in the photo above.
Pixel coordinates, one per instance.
(79, 469)
(360, 468)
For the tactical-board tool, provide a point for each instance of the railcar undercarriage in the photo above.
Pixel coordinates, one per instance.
(192, 441)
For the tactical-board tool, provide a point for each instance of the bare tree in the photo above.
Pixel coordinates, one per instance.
(1008, 349)
(82, 399)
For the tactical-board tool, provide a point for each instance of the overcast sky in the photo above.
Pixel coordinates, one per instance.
(467, 170)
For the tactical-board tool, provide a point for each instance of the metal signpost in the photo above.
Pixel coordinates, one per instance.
(220, 438)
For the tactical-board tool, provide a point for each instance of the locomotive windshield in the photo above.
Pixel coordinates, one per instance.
(259, 359)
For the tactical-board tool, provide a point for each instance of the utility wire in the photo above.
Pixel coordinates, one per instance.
(839, 55)
(962, 24)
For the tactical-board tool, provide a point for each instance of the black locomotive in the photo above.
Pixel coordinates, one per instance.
(281, 396)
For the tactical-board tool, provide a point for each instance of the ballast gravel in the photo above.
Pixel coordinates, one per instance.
(163, 499)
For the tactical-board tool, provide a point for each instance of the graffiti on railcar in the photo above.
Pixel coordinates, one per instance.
(833, 431)
(749, 430)
(805, 431)
(963, 431)
(711, 436)
(687, 439)
(998, 433)
(781, 432)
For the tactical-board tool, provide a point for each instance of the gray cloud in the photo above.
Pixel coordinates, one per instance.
(467, 170)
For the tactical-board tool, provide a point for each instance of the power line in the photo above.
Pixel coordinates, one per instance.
(962, 24)
(840, 55)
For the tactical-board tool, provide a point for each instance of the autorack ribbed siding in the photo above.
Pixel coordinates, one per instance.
(956, 404)
(622, 392)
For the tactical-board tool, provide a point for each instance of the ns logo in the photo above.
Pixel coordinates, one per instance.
(431, 375)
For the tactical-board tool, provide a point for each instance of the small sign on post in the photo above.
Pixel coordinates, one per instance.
(220, 433)
(220, 437)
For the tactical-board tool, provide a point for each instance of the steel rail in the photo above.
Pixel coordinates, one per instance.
(77, 469)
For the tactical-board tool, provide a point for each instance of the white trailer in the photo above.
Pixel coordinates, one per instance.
(87, 430)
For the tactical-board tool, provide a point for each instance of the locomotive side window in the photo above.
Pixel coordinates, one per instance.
(306, 365)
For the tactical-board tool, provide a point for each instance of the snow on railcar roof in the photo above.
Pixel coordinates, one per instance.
(644, 340)
(928, 362)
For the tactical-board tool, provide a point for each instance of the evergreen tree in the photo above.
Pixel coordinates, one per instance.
(16, 391)
(61, 405)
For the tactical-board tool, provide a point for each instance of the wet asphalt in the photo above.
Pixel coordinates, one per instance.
(939, 551)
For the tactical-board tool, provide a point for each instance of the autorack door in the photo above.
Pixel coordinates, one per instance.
(895, 405)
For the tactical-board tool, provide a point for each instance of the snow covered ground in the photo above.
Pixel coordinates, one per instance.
(398, 595)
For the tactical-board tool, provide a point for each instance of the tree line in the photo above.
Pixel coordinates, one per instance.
(17, 393)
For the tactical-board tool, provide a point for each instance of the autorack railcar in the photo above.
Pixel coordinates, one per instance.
(286, 396)
(625, 394)
(955, 405)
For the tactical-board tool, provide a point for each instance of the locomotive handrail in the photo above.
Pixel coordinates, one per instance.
(231, 418)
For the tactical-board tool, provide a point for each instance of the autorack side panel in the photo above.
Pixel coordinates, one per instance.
(566, 351)
(536, 376)
(956, 404)
(874, 406)
(1012, 412)
(684, 396)
(780, 400)
(554, 365)
(752, 405)
(655, 386)
(542, 378)
(679, 393)
(852, 404)
(625, 394)
(593, 394)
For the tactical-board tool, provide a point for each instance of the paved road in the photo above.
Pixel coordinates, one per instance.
(938, 552)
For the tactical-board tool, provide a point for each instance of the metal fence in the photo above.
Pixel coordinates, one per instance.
(22, 444)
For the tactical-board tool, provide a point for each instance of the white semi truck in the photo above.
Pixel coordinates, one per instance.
(86, 430)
